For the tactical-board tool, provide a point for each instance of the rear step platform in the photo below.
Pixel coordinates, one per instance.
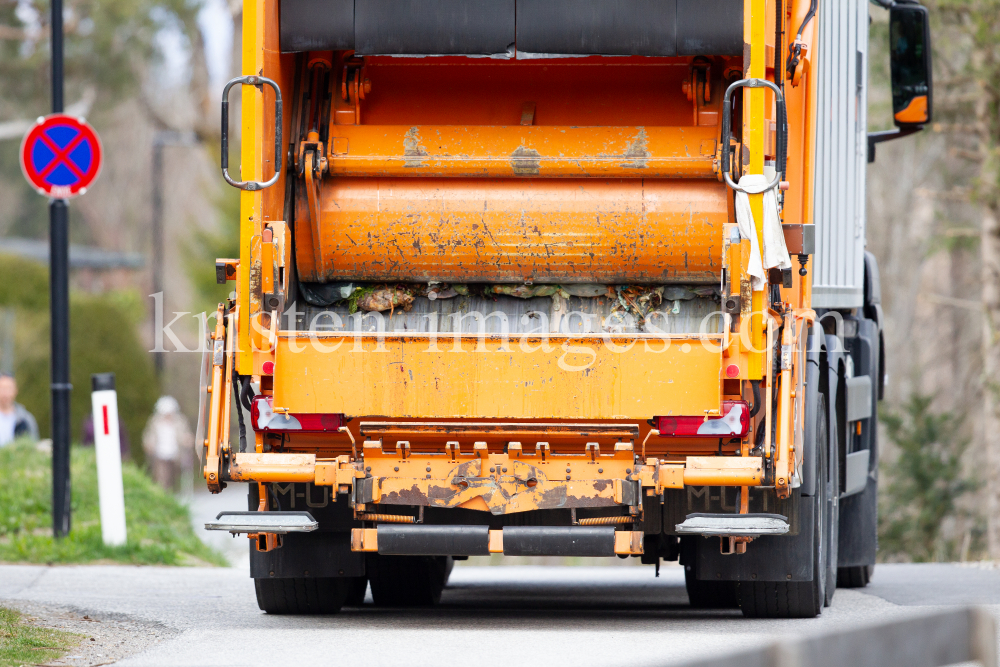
(733, 525)
(264, 522)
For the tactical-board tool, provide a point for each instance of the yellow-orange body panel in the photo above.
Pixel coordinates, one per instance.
(506, 151)
(754, 35)
(631, 196)
(513, 230)
(571, 379)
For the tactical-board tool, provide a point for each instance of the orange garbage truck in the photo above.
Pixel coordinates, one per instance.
(554, 278)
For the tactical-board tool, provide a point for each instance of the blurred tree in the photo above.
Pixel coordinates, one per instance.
(103, 339)
(133, 67)
(112, 51)
(207, 245)
(968, 100)
(925, 481)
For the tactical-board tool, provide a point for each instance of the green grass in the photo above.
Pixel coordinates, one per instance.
(23, 644)
(159, 527)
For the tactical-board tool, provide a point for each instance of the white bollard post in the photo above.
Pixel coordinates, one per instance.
(107, 443)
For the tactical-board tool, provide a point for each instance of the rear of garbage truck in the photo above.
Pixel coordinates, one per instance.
(552, 278)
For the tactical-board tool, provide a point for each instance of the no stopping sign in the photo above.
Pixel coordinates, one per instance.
(61, 156)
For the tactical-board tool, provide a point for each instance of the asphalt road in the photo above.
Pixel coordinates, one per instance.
(488, 615)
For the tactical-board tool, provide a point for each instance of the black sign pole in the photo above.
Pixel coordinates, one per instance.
(59, 303)
(158, 143)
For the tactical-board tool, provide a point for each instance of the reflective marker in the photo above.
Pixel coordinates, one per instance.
(107, 444)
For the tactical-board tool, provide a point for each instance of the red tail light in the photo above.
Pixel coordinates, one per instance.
(265, 419)
(733, 423)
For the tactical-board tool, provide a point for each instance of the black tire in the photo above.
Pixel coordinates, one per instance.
(449, 565)
(407, 581)
(709, 594)
(318, 595)
(858, 576)
(356, 589)
(800, 599)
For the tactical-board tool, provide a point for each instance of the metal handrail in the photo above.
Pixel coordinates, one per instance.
(727, 129)
(257, 82)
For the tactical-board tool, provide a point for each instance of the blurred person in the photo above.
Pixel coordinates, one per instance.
(15, 420)
(168, 442)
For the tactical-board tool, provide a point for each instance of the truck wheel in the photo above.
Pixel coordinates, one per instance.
(799, 599)
(318, 595)
(449, 565)
(709, 594)
(854, 577)
(356, 589)
(407, 581)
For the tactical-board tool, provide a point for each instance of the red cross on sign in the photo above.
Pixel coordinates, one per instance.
(61, 156)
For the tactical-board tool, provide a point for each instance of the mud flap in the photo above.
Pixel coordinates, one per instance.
(858, 540)
(769, 558)
(323, 553)
(308, 555)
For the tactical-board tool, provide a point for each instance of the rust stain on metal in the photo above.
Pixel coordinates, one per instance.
(256, 295)
(637, 151)
(526, 161)
(590, 501)
(413, 153)
(746, 298)
(521, 487)
(411, 496)
(655, 230)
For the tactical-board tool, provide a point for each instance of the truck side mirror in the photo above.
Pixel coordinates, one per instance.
(910, 61)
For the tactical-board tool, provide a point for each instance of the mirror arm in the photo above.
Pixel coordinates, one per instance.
(889, 135)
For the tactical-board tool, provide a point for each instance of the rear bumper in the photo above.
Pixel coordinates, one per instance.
(499, 483)
(571, 541)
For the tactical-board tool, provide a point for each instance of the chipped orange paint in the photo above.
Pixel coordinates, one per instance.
(560, 151)
(513, 230)
(516, 481)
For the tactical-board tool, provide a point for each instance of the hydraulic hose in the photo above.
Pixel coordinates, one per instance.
(794, 49)
(809, 16)
(781, 157)
(246, 394)
(244, 399)
(755, 408)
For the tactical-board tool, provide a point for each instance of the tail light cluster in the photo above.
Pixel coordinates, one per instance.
(265, 419)
(733, 423)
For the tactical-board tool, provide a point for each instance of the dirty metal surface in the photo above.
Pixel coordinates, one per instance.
(506, 151)
(501, 483)
(650, 231)
(479, 315)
